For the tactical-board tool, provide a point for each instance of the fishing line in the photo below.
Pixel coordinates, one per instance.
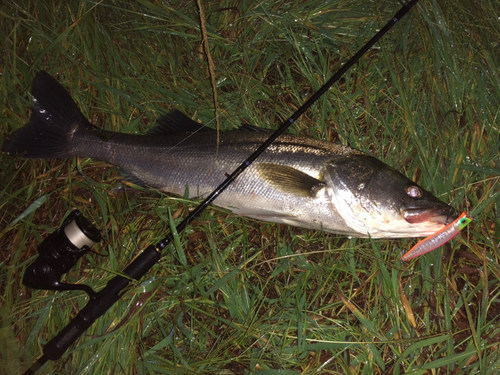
(206, 124)
(245, 87)
(100, 302)
(285, 125)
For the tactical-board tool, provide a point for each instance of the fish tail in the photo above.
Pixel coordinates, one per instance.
(55, 124)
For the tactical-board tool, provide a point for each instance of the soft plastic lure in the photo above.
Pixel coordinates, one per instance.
(439, 238)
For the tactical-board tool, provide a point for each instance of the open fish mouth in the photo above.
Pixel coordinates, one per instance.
(439, 215)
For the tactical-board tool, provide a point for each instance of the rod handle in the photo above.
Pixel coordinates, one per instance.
(56, 347)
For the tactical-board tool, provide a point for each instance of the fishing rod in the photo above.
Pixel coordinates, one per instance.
(60, 251)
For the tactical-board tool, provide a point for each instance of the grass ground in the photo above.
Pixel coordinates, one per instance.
(240, 296)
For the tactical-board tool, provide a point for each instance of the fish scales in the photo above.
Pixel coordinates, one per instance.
(172, 163)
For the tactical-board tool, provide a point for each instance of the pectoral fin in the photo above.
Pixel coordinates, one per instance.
(289, 180)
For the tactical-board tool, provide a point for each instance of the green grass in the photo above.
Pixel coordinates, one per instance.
(240, 296)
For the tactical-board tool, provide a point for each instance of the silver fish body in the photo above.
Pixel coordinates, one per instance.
(297, 181)
(285, 184)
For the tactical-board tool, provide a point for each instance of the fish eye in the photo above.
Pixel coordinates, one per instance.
(414, 191)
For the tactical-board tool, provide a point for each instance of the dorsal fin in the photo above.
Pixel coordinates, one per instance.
(253, 128)
(176, 122)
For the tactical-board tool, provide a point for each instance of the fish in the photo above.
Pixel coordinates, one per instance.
(298, 181)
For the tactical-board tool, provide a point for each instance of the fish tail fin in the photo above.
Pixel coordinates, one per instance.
(55, 123)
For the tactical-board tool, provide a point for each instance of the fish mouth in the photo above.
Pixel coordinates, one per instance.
(439, 215)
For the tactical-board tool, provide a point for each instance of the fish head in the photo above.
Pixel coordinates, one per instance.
(376, 200)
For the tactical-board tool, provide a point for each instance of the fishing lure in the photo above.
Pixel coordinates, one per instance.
(439, 238)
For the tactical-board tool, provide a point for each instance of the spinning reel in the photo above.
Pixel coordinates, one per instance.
(59, 252)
